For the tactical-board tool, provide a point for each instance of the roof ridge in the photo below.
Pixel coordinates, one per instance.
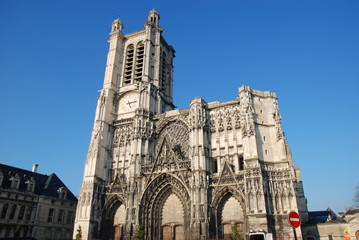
(21, 169)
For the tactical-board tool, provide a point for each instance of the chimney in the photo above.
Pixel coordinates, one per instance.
(34, 167)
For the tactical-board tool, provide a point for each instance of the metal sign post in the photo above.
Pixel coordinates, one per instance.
(294, 221)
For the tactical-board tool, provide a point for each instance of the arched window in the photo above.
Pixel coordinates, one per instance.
(128, 65)
(139, 61)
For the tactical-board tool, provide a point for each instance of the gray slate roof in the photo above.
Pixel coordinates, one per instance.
(45, 185)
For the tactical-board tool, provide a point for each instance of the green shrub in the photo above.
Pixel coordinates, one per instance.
(139, 233)
(79, 234)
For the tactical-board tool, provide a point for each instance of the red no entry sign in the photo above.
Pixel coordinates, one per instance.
(294, 219)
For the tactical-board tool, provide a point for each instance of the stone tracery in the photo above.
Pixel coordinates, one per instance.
(203, 155)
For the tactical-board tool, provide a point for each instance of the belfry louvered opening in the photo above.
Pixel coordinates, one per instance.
(128, 64)
(139, 61)
(163, 71)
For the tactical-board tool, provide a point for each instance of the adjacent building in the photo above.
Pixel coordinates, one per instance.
(326, 225)
(203, 172)
(35, 205)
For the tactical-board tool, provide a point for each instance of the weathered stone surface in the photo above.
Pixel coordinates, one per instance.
(182, 174)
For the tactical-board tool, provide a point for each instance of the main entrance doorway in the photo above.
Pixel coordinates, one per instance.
(172, 219)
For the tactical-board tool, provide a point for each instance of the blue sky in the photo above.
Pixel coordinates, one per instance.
(53, 56)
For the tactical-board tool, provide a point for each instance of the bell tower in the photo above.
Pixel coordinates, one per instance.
(137, 85)
(145, 71)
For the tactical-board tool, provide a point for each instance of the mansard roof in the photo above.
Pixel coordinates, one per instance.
(45, 185)
(322, 216)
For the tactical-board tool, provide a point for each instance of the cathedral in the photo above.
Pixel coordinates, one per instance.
(213, 170)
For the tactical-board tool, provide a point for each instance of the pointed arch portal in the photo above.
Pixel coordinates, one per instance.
(229, 209)
(165, 209)
(115, 218)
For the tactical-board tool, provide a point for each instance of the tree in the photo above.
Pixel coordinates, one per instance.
(236, 233)
(79, 234)
(139, 233)
(356, 196)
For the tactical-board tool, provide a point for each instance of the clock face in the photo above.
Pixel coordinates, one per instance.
(128, 103)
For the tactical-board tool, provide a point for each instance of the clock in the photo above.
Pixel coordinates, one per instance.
(128, 103)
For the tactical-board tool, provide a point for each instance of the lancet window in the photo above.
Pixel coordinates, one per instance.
(134, 60)
(139, 61)
(128, 65)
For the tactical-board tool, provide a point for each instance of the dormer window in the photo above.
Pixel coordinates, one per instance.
(30, 185)
(62, 192)
(15, 181)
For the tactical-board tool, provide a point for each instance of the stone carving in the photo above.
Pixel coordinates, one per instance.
(277, 117)
(176, 134)
(141, 129)
(162, 123)
(247, 115)
(197, 116)
(220, 122)
(118, 185)
(213, 125)
(123, 135)
(227, 117)
(237, 118)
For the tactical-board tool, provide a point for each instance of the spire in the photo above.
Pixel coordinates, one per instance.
(117, 25)
(153, 17)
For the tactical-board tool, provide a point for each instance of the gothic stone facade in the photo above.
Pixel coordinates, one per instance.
(182, 174)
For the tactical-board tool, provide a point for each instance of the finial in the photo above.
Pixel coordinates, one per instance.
(117, 25)
(153, 17)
